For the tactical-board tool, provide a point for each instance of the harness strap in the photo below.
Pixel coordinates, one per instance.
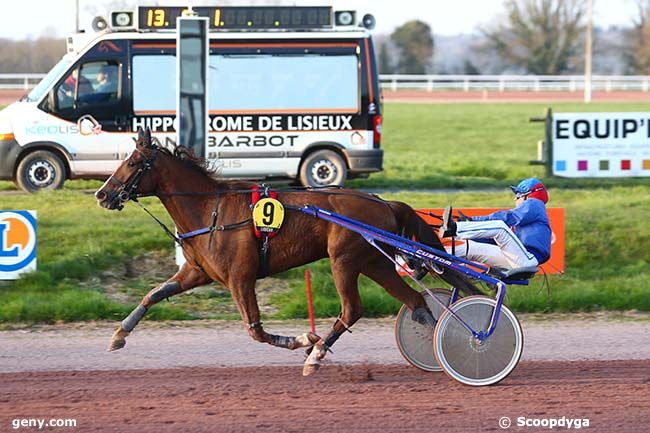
(197, 232)
(263, 270)
(259, 192)
(215, 215)
(255, 324)
(177, 239)
(212, 229)
(345, 325)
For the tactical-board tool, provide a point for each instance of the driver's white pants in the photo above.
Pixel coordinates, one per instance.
(508, 253)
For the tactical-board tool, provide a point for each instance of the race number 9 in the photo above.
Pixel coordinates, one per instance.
(268, 214)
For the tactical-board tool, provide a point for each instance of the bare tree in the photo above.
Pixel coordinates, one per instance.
(637, 52)
(540, 36)
(30, 55)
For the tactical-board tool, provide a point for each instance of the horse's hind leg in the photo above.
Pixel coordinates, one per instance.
(346, 280)
(185, 279)
(383, 273)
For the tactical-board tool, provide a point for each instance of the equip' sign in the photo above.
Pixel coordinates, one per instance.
(601, 144)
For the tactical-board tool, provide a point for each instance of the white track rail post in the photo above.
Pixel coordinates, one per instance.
(192, 86)
(192, 117)
(588, 52)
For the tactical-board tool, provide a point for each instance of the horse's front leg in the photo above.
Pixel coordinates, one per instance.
(185, 279)
(243, 292)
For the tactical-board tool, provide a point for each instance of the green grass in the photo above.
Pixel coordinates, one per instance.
(607, 260)
(470, 145)
(473, 151)
(76, 241)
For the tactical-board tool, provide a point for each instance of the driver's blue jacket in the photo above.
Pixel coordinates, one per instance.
(529, 221)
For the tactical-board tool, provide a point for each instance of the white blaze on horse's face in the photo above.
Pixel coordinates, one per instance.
(130, 155)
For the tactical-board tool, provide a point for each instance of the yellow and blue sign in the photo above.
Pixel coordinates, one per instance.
(17, 243)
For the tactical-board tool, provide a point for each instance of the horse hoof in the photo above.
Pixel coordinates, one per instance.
(308, 339)
(118, 340)
(309, 369)
(116, 345)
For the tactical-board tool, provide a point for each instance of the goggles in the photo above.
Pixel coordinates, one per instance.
(519, 195)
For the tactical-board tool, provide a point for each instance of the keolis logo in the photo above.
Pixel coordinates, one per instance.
(17, 243)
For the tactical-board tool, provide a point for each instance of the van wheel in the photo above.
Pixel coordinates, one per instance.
(322, 168)
(40, 170)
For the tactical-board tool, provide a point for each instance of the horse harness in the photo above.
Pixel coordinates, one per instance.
(129, 191)
(260, 192)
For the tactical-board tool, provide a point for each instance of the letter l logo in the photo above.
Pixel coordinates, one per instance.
(3, 241)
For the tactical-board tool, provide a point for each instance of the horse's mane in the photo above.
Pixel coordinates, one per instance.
(211, 171)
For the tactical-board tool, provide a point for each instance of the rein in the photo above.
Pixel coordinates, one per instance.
(329, 190)
(214, 227)
(128, 191)
(182, 236)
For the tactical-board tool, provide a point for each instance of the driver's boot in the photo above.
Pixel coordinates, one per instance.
(448, 227)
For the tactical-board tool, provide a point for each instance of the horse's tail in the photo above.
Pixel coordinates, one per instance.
(412, 225)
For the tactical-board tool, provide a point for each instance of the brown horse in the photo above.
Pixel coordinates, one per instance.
(195, 199)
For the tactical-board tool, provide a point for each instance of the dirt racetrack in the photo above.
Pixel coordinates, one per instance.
(208, 376)
(613, 395)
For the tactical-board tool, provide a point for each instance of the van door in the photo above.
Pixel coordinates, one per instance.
(91, 98)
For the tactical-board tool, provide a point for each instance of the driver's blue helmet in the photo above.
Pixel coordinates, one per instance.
(531, 187)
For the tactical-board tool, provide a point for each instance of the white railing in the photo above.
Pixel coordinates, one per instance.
(466, 83)
(19, 81)
(501, 83)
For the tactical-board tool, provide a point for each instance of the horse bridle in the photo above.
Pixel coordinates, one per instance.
(129, 190)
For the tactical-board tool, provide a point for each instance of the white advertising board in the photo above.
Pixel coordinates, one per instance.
(601, 144)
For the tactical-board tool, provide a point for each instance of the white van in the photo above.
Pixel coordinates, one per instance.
(294, 93)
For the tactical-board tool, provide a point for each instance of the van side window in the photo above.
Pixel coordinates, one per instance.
(67, 91)
(285, 82)
(91, 83)
(255, 83)
(154, 83)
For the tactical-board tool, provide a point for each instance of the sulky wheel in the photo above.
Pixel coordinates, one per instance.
(464, 357)
(415, 341)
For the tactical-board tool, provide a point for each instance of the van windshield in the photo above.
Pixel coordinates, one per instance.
(44, 85)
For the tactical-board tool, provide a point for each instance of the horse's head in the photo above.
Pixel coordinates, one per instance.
(133, 177)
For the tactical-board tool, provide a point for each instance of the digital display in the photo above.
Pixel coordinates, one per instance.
(239, 18)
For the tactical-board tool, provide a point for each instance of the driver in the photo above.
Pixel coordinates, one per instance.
(510, 239)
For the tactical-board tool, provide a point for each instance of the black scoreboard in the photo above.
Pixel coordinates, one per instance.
(239, 18)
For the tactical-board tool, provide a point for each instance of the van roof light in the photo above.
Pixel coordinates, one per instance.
(121, 20)
(344, 18)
